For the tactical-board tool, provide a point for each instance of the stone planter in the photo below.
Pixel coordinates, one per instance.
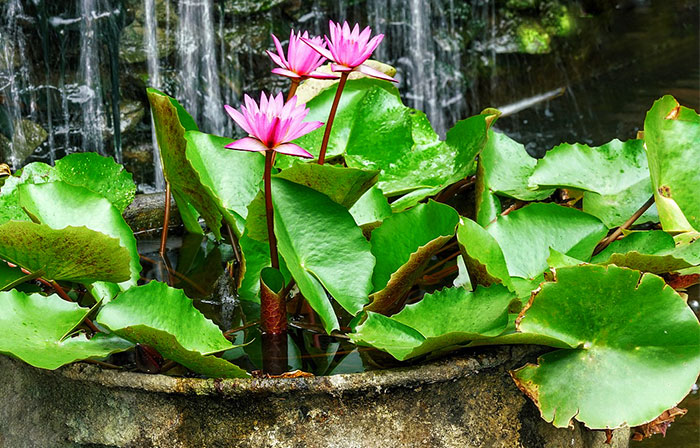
(464, 401)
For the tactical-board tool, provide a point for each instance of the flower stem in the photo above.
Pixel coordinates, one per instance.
(606, 241)
(293, 88)
(268, 208)
(331, 117)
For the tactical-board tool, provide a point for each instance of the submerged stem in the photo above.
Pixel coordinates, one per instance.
(331, 117)
(268, 208)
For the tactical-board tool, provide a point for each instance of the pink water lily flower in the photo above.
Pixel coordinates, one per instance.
(349, 49)
(272, 125)
(301, 61)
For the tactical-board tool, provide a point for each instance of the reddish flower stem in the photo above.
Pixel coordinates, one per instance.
(331, 117)
(616, 234)
(268, 209)
(293, 88)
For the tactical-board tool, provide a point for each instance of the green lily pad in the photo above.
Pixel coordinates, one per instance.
(75, 254)
(403, 245)
(343, 185)
(36, 328)
(323, 248)
(614, 177)
(445, 319)
(371, 208)
(507, 168)
(486, 203)
(165, 319)
(635, 347)
(171, 122)
(60, 205)
(99, 174)
(649, 251)
(526, 235)
(429, 164)
(381, 94)
(412, 156)
(671, 135)
(231, 178)
(482, 255)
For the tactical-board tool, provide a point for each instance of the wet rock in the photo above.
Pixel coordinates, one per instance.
(249, 6)
(131, 43)
(26, 137)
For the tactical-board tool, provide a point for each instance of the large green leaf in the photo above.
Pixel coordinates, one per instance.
(650, 251)
(171, 122)
(231, 178)
(165, 319)
(671, 135)
(383, 96)
(36, 330)
(343, 185)
(426, 165)
(374, 130)
(482, 255)
(614, 176)
(371, 209)
(99, 174)
(403, 245)
(526, 235)
(442, 320)
(635, 347)
(60, 205)
(323, 248)
(507, 168)
(76, 254)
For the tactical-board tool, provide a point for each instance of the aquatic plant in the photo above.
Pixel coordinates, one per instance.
(418, 245)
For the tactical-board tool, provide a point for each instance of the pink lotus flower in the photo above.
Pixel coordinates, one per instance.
(301, 61)
(272, 125)
(349, 49)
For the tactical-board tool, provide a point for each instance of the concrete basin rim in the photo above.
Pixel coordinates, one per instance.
(443, 370)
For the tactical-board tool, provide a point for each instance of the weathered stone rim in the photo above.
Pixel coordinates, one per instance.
(449, 369)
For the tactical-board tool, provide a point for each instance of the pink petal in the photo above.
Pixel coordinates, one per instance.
(303, 129)
(248, 144)
(364, 36)
(285, 72)
(341, 68)
(319, 49)
(239, 118)
(293, 150)
(275, 58)
(280, 50)
(321, 75)
(367, 70)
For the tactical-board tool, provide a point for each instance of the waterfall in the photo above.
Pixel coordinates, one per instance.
(91, 90)
(15, 82)
(199, 88)
(154, 80)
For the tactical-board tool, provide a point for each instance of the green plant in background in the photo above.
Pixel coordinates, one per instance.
(579, 251)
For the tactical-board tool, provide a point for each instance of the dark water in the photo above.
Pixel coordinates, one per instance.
(644, 53)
